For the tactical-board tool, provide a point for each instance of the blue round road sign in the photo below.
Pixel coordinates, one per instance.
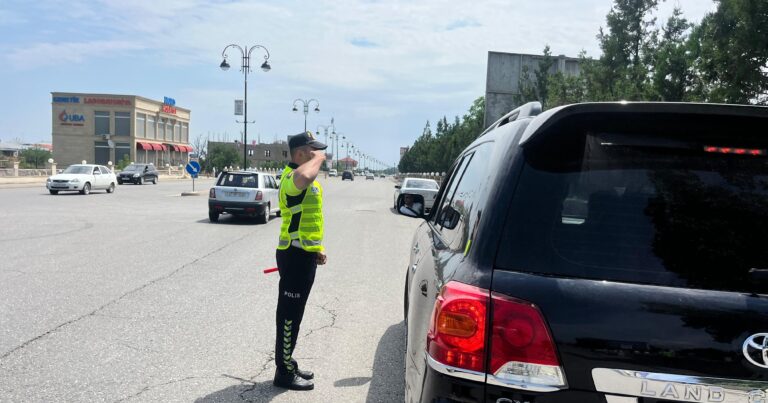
(193, 167)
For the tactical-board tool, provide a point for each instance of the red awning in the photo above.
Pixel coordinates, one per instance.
(156, 147)
(163, 147)
(185, 149)
(143, 146)
(176, 148)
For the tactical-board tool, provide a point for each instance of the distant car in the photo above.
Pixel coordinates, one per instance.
(347, 175)
(82, 178)
(427, 188)
(244, 193)
(369, 175)
(138, 174)
(333, 172)
(382, 176)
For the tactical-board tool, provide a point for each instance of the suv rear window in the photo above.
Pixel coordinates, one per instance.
(659, 204)
(239, 180)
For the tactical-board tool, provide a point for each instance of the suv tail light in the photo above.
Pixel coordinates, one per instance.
(457, 332)
(212, 193)
(522, 349)
(522, 352)
(259, 195)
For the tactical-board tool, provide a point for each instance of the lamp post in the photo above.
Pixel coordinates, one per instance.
(306, 108)
(245, 67)
(325, 128)
(337, 148)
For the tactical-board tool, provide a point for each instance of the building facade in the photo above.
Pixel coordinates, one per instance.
(258, 154)
(502, 83)
(99, 128)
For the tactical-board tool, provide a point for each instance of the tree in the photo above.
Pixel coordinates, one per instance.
(34, 157)
(734, 52)
(536, 87)
(673, 75)
(221, 155)
(627, 47)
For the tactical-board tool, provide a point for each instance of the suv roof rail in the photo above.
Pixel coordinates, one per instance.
(524, 111)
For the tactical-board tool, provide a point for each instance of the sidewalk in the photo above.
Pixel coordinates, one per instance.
(11, 182)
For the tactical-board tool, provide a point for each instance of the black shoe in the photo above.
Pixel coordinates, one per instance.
(292, 381)
(304, 374)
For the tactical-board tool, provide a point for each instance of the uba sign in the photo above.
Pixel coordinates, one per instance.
(71, 119)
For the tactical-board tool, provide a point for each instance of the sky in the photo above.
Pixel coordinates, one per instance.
(380, 69)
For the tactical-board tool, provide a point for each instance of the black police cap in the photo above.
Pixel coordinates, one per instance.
(305, 139)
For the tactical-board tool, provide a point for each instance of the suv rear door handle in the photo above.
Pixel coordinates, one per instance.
(423, 287)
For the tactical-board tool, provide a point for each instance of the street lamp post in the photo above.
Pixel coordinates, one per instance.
(245, 67)
(325, 128)
(306, 108)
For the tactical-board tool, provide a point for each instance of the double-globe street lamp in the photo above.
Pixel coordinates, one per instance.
(325, 128)
(245, 67)
(335, 136)
(306, 104)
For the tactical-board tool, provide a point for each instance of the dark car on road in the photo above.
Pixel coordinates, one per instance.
(138, 174)
(347, 175)
(593, 253)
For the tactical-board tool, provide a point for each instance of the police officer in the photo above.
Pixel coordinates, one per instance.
(299, 251)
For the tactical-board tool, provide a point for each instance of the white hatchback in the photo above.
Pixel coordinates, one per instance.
(246, 193)
(82, 178)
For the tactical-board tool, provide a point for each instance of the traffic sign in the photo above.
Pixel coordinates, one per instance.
(193, 167)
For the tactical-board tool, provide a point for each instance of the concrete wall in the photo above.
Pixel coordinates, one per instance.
(503, 79)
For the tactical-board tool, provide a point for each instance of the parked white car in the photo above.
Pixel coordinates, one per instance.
(333, 173)
(82, 178)
(427, 188)
(245, 193)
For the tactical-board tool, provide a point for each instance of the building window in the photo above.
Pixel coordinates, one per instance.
(151, 127)
(140, 125)
(177, 132)
(122, 123)
(250, 153)
(267, 153)
(285, 154)
(101, 122)
(185, 133)
(161, 129)
(168, 130)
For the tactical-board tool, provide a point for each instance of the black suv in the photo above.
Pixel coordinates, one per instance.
(347, 175)
(138, 174)
(593, 253)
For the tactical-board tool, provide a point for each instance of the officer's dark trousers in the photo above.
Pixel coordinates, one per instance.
(297, 274)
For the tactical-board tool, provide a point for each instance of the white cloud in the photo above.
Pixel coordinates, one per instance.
(46, 54)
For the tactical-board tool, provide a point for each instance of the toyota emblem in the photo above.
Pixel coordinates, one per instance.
(756, 349)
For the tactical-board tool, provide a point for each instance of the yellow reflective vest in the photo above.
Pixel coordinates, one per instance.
(302, 223)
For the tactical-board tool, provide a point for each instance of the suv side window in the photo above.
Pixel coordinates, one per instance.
(467, 200)
(272, 183)
(450, 188)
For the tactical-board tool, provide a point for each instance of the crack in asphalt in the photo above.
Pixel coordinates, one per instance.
(150, 387)
(332, 313)
(118, 299)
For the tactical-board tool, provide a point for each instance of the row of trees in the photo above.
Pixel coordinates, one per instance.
(434, 152)
(722, 59)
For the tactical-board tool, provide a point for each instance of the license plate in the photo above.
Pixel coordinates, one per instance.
(234, 194)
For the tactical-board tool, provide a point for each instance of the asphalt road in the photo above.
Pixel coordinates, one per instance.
(135, 296)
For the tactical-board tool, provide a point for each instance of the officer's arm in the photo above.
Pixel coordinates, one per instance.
(304, 175)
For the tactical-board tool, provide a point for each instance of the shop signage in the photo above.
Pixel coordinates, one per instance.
(71, 119)
(239, 107)
(107, 101)
(169, 105)
(67, 100)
